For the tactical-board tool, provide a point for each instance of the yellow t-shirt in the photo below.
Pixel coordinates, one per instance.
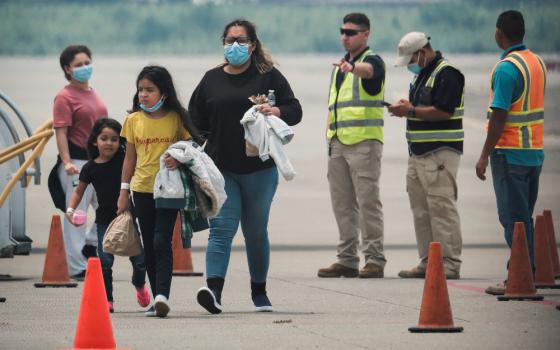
(151, 138)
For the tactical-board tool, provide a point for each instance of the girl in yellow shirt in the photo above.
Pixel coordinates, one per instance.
(157, 120)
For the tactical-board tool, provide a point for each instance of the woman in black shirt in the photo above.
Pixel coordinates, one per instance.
(217, 106)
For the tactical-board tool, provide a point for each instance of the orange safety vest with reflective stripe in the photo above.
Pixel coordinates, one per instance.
(525, 121)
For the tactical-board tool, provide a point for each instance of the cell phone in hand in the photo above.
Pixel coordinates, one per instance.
(385, 103)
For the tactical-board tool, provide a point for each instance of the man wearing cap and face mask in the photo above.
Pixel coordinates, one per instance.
(355, 138)
(434, 132)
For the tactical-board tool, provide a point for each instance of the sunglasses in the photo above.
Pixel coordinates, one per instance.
(350, 32)
(241, 40)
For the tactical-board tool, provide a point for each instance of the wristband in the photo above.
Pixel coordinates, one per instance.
(125, 186)
(70, 210)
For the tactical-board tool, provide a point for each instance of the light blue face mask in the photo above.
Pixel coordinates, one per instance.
(83, 73)
(414, 68)
(236, 54)
(154, 107)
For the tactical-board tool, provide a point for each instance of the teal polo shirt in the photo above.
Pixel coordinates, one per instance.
(507, 82)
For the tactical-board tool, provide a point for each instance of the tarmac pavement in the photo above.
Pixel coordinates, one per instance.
(310, 312)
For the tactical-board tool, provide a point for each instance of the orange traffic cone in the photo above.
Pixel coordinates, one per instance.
(55, 271)
(435, 311)
(520, 285)
(544, 276)
(94, 330)
(549, 225)
(182, 259)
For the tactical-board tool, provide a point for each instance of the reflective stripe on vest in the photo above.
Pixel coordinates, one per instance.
(354, 123)
(354, 115)
(515, 118)
(439, 135)
(357, 103)
(525, 120)
(433, 136)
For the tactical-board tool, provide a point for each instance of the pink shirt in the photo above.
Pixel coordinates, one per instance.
(78, 110)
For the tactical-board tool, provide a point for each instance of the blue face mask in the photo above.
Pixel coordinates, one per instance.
(154, 107)
(236, 54)
(414, 68)
(83, 73)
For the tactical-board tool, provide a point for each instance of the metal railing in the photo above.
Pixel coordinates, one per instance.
(19, 162)
(36, 142)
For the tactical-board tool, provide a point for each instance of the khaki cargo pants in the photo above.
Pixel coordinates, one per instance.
(353, 173)
(431, 183)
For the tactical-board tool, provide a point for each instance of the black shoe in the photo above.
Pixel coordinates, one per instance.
(262, 303)
(260, 300)
(208, 300)
(89, 251)
(151, 312)
(79, 276)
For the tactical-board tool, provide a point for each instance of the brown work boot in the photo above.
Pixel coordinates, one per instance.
(452, 275)
(414, 272)
(337, 270)
(498, 289)
(371, 271)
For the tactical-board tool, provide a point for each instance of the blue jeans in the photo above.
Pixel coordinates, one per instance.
(249, 198)
(517, 189)
(107, 259)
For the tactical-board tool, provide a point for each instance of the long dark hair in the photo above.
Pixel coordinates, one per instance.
(163, 80)
(100, 124)
(261, 57)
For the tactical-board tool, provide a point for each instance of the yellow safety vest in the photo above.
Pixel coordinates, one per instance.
(354, 115)
(449, 130)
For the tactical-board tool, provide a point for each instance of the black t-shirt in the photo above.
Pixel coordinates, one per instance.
(445, 96)
(219, 102)
(106, 180)
(448, 86)
(373, 84)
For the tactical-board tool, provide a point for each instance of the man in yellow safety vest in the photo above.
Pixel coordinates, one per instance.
(355, 139)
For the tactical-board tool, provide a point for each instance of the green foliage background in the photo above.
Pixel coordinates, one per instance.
(30, 27)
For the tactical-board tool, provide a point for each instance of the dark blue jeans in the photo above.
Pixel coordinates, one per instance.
(249, 198)
(107, 259)
(517, 189)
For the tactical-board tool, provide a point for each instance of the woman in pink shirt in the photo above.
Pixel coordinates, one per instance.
(76, 109)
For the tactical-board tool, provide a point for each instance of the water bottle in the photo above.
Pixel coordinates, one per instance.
(75, 180)
(271, 98)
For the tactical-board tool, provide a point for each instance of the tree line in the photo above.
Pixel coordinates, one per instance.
(33, 27)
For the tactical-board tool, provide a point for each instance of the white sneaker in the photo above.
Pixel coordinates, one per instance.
(161, 306)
